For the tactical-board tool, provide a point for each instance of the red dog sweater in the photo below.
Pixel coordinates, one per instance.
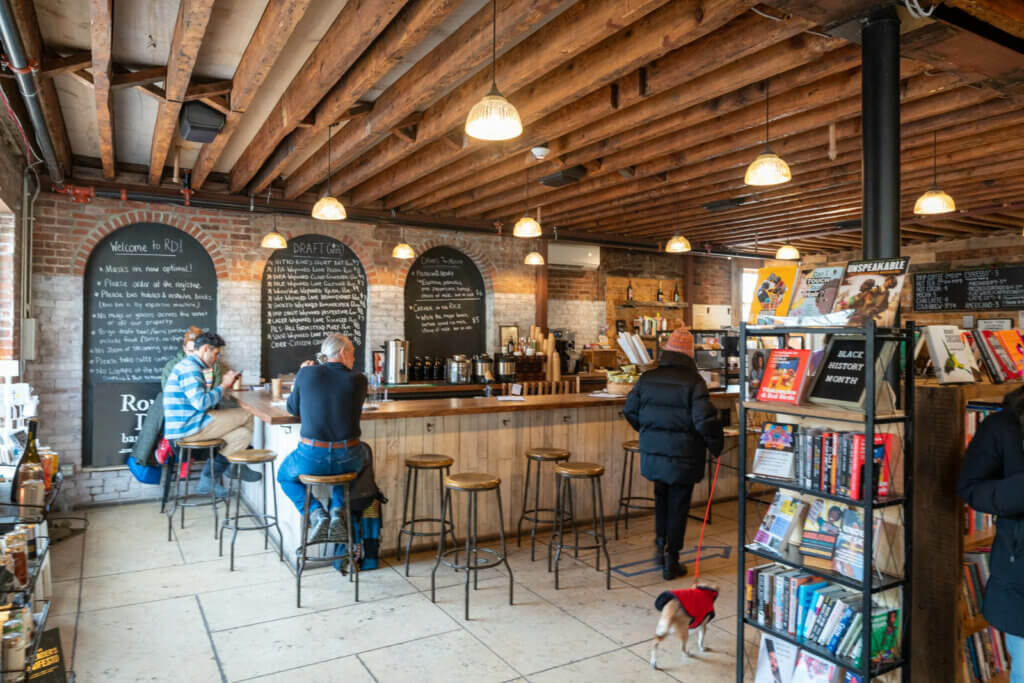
(698, 603)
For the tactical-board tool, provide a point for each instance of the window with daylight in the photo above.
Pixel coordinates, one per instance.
(747, 290)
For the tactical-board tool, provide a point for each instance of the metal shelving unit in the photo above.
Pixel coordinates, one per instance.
(871, 581)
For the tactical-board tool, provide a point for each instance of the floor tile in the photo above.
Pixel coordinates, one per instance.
(66, 557)
(716, 665)
(255, 650)
(64, 598)
(622, 666)
(163, 640)
(324, 590)
(348, 669)
(531, 635)
(449, 657)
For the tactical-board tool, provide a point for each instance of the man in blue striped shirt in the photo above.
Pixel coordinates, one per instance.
(189, 398)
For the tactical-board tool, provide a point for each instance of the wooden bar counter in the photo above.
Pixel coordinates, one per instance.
(482, 435)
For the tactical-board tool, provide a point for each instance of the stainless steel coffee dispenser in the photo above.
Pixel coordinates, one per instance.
(396, 361)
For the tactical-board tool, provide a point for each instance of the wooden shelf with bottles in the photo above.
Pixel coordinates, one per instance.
(671, 305)
(940, 529)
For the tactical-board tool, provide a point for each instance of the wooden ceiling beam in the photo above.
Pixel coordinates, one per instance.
(603, 62)
(272, 33)
(32, 42)
(125, 78)
(449, 80)
(356, 27)
(101, 30)
(189, 29)
(700, 90)
(199, 91)
(53, 66)
(409, 29)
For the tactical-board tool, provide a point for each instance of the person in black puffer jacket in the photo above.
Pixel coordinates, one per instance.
(992, 481)
(671, 408)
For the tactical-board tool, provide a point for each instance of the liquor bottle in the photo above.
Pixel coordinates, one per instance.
(661, 294)
(675, 294)
(511, 348)
(417, 369)
(30, 467)
(629, 291)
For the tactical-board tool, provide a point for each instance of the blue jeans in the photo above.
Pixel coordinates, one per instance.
(1015, 649)
(309, 460)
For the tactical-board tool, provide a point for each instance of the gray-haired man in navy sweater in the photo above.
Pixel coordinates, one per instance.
(328, 398)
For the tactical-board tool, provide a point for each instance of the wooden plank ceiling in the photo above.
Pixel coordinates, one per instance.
(660, 103)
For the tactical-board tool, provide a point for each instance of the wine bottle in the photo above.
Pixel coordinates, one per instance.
(30, 467)
(675, 294)
(661, 294)
(629, 291)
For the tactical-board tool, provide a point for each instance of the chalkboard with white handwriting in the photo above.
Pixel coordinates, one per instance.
(314, 287)
(444, 305)
(145, 284)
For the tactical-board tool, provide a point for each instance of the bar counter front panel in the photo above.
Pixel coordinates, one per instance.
(481, 435)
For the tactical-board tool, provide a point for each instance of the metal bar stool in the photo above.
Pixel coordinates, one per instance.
(185, 449)
(472, 483)
(540, 456)
(413, 465)
(630, 449)
(345, 481)
(565, 472)
(237, 461)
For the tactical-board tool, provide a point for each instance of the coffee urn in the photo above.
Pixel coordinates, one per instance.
(396, 361)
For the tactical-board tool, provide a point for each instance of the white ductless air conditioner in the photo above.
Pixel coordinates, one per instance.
(568, 256)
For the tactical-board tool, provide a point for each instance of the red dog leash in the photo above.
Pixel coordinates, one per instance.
(707, 511)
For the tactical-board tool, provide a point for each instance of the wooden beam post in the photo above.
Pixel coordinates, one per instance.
(540, 290)
(101, 31)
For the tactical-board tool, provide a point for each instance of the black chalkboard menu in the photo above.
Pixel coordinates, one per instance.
(145, 284)
(977, 289)
(312, 288)
(444, 305)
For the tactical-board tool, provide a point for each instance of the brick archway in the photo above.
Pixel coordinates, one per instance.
(121, 220)
(358, 248)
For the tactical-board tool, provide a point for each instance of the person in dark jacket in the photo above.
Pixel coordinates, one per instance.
(671, 408)
(992, 481)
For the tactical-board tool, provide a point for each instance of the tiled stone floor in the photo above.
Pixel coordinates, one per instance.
(132, 606)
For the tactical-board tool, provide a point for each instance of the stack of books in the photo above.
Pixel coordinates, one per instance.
(782, 662)
(985, 655)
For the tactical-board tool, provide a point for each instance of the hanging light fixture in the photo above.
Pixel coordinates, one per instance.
(274, 239)
(526, 227)
(768, 168)
(328, 208)
(787, 252)
(934, 201)
(534, 258)
(494, 117)
(402, 250)
(677, 245)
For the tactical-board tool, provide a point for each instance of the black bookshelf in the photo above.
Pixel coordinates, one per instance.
(871, 581)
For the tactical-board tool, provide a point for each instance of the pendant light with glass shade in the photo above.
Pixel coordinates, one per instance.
(677, 245)
(494, 117)
(534, 258)
(274, 239)
(768, 168)
(934, 201)
(787, 252)
(526, 227)
(328, 208)
(403, 250)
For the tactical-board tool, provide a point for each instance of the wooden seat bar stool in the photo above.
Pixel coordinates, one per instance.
(186, 447)
(565, 473)
(472, 483)
(539, 456)
(301, 558)
(630, 449)
(237, 461)
(413, 465)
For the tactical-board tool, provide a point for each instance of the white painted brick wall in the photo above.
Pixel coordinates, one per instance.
(510, 309)
(586, 318)
(238, 321)
(385, 318)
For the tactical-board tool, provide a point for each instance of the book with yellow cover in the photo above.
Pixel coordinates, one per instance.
(772, 294)
(1013, 344)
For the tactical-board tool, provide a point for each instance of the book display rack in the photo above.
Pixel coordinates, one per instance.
(866, 626)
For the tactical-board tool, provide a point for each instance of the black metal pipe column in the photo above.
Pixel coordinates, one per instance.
(880, 107)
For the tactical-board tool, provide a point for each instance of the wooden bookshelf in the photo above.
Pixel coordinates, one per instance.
(940, 541)
(819, 412)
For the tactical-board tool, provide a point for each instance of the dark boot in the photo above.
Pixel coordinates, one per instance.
(659, 555)
(672, 568)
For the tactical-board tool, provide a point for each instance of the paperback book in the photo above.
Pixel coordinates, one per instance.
(775, 451)
(822, 525)
(775, 660)
(842, 380)
(785, 376)
(783, 517)
(952, 359)
(813, 669)
(816, 292)
(772, 294)
(870, 290)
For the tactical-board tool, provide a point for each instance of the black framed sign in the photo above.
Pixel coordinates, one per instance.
(312, 288)
(145, 284)
(976, 289)
(445, 310)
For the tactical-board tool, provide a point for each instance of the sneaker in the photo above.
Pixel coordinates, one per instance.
(318, 526)
(203, 489)
(247, 473)
(338, 529)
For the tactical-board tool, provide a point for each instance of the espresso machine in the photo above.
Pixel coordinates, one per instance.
(396, 361)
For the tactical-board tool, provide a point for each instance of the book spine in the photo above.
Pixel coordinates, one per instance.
(816, 461)
(821, 617)
(840, 631)
(794, 595)
(857, 467)
(812, 614)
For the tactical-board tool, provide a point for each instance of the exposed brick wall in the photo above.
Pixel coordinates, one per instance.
(9, 266)
(574, 285)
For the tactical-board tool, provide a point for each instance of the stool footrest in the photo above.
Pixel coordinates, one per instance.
(270, 521)
(447, 526)
(498, 559)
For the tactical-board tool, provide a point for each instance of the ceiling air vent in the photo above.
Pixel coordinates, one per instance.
(566, 176)
(725, 204)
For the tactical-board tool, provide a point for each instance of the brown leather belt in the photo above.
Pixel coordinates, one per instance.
(330, 444)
